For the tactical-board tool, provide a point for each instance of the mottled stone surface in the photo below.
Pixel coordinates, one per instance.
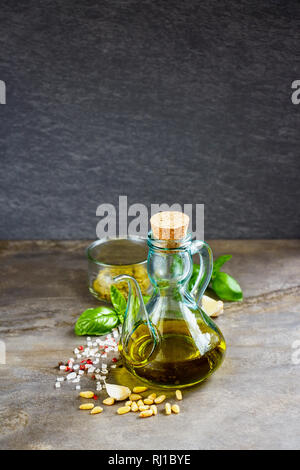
(253, 401)
(186, 102)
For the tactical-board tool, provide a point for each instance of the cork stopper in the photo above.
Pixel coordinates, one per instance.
(169, 226)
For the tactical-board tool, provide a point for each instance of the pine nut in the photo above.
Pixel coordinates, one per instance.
(168, 409)
(144, 407)
(135, 397)
(175, 409)
(134, 406)
(87, 394)
(139, 389)
(109, 401)
(160, 399)
(148, 401)
(154, 409)
(178, 394)
(123, 410)
(86, 406)
(96, 410)
(146, 414)
(140, 403)
(128, 403)
(152, 396)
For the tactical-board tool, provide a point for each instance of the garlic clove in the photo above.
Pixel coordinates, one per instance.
(118, 392)
(212, 307)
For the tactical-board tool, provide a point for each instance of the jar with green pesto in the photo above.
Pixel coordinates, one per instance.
(110, 257)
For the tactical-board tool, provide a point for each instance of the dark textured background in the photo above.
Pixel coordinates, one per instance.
(163, 101)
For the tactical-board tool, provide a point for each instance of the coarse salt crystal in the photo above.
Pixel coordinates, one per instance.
(71, 376)
(113, 366)
(62, 367)
(76, 367)
(81, 372)
(77, 387)
(60, 379)
(57, 385)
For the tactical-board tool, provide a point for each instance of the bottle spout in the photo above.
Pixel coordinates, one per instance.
(135, 297)
(135, 314)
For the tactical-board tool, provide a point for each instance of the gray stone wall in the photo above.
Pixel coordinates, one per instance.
(165, 101)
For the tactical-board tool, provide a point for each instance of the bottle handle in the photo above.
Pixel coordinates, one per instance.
(206, 265)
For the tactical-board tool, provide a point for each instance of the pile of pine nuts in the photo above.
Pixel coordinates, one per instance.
(145, 405)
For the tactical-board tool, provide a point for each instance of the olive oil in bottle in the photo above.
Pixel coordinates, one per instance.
(179, 359)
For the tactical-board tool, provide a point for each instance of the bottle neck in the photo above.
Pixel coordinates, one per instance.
(169, 267)
(169, 245)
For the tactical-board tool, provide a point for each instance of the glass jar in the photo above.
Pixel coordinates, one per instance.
(111, 257)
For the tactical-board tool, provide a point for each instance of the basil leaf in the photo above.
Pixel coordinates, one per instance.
(146, 298)
(176, 294)
(226, 287)
(218, 263)
(96, 321)
(177, 266)
(193, 279)
(118, 300)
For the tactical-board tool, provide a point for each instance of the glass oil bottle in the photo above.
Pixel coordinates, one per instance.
(171, 342)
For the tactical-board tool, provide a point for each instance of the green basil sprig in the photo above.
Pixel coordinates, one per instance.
(96, 321)
(224, 285)
(119, 302)
(101, 320)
